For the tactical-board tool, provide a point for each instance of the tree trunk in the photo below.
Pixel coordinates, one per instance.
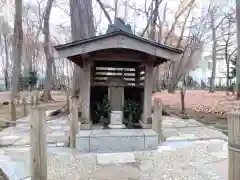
(214, 55)
(116, 9)
(48, 53)
(182, 92)
(153, 37)
(82, 27)
(238, 42)
(227, 65)
(55, 81)
(17, 49)
(6, 75)
(171, 82)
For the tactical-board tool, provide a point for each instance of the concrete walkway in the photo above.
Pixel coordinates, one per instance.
(191, 151)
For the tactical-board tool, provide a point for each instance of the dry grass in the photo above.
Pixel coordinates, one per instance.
(209, 108)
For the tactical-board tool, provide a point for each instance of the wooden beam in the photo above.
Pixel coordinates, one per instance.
(142, 75)
(233, 144)
(117, 76)
(74, 127)
(114, 71)
(157, 119)
(12, 111)
(102, 80)
(116, 64)
(119, 55)
(106, 85)
(38, 144)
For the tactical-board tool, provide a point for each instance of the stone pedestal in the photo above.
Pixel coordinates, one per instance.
(116, 121)
(116, 140)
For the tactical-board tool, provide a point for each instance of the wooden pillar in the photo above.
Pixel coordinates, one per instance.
(137, 76)
(148, 84)
(157, 119)
(234, 145)
(93, 73)
(74, 126)
(38, 144)
(86, 90)
(12, 111)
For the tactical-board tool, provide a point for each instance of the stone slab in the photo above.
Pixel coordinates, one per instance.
(117, 133)
(110, 144)
(117, 126)
(144, 125)
(84, 133)
(116, 140)
(149, 132)
(86, 126)
(151, 142)
(115, 158)
(8, 140)
(83, 144)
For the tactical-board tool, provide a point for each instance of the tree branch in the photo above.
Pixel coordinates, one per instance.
(105, 11)
(151, 16)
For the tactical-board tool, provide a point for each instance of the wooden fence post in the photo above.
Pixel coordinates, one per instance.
(24, 103)
(12, 111)
(32, 99)
(157, 119)
(36, 98)
(74, 126)
(67, 98)
(234, 145)
(38, 144)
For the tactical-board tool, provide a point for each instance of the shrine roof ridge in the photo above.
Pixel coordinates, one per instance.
(118, 32)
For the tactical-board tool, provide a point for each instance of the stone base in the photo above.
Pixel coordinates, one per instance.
(86, 126)
(144, 125)
(116, 140)
(117, 126)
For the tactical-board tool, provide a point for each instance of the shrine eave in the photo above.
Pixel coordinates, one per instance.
(118, 40)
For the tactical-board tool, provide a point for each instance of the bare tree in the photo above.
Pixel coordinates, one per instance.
(153, 37)
(215, 23)
(33, 20)
(82, 26)
(17, 48)
(179, 13)
(228, 36)
(6, 30)
(48, 52)
(105, 11)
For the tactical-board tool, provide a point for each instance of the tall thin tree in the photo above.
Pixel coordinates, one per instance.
(17, 49)
(48, 51)
(82, 26)
(238, 42)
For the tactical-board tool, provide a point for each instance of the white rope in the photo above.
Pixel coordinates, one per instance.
(19, 122)
(233, 149)
(12, 122)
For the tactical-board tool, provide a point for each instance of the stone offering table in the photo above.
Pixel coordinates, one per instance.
(116, 121)
(116, 140)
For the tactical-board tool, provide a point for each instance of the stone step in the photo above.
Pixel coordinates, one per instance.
(52, 138)
(116, 140)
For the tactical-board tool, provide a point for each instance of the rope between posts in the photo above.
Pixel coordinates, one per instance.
(233, 149)
(19, 122)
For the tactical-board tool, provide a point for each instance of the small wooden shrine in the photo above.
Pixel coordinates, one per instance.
(118, 65)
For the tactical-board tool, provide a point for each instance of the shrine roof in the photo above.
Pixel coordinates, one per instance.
(117, 39)
(118, 32)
